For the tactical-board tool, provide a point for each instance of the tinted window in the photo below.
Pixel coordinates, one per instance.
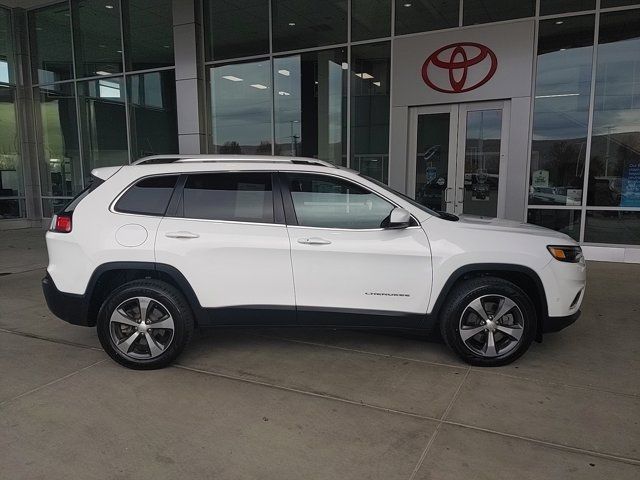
(328, 202)
(93, 184)
(148, 197)
(241, 197)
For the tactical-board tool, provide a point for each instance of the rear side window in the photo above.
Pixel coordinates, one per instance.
(149, 196)
(238, 196)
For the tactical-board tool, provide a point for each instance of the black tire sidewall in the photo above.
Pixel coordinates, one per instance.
(465, 294)
(170, 298)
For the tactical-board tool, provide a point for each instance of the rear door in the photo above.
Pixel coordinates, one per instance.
(228, 238)
(347, 268)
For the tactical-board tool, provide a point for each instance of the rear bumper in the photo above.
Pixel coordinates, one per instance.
(555, 324)
(66, 306)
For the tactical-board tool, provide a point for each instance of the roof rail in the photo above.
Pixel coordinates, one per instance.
(171, 158)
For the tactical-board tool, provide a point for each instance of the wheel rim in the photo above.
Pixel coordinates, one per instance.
(141, 327)
(491, 326)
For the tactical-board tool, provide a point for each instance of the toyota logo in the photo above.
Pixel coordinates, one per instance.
(459, 67)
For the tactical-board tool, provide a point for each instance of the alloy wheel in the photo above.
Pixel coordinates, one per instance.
(491, 326)
(141, 327)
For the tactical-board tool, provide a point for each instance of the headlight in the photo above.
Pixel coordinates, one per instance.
(570, 254)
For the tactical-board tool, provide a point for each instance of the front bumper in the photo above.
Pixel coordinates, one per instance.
(555, 324)
(66, 306)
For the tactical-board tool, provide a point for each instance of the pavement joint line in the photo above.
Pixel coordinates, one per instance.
(52, 382)
(557, 446)
(25, 271)
(488, 371)
(364, 352)
(435, 433)
(555, 384)
(49, 339)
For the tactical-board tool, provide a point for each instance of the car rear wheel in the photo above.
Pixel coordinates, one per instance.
(488, 321)
(145, 324)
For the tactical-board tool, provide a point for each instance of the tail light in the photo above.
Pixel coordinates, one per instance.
(61, 223)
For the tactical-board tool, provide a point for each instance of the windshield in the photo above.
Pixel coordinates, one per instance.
(409, 199)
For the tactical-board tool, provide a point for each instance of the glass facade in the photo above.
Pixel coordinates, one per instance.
(309, 78)
(104, 88)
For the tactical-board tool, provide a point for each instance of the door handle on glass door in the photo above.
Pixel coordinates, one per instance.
(181, 234)
(446, 195)
(314, 241)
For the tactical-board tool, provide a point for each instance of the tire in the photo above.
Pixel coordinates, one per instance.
(150, 344)
(469, 326)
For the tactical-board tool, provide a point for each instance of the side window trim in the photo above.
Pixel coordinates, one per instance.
(290, 212)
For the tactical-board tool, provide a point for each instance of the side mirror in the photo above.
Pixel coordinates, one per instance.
(398, 218)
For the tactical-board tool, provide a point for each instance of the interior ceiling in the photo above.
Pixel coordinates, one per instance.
(26, 3)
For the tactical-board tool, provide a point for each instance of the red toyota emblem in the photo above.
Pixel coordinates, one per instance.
(459, 67)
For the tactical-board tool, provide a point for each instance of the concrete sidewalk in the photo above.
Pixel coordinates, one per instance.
(325, 404)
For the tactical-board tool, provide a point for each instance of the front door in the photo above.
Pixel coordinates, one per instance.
(457, 157)
(347, 268)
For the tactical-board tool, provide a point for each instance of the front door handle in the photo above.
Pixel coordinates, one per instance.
(314, 241)
(181, 234)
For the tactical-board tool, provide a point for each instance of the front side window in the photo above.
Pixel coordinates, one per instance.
(149, 196)
(328, 202)
(238, 196)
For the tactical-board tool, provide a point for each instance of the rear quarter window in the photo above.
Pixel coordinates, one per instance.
(149, 196)
(94, 183)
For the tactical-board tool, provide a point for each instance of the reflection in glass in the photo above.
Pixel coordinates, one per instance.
(614, 169)
(148, 36)
(6, 49)
(60, 171)
(612, 226)
(51, 206)
(308, 23)
(10, 166)
(153, 120)
(12, 208)
(477, 11)
(424, 15)
(565, 221)
(561, 111)
(617, 3)
(370, 87)
(550, 7)
(96, 27)
(310, 93)
(370, 19)
(103, 123)
(482, 162)
(432, 162)
(50, 36)
(236, 28)
(241, 100)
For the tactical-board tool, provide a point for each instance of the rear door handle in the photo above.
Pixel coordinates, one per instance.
(314, 241)
(181, 234)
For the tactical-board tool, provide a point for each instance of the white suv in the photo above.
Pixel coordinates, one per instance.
(150, 250)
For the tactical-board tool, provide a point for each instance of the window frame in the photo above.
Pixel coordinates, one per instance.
(290, 212)
(176, 206)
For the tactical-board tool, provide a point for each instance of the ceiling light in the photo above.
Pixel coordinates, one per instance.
(558, 95)
(102, 72)
(358, 75)
(284, 72)
(285, 94)
(366, 76)
(259, 86)
(562, 49)
(345, 66)
(559, 22)
(377, 84)
(407, 5)
(292, 24)
(108, 7)
(232, 78)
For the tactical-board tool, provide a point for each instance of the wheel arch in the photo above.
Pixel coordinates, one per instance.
(522, 276)
(111, 275)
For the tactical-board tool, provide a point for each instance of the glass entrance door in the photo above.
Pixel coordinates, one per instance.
(457, 157)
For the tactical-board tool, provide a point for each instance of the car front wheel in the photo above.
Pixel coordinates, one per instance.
(145, 324)
(488, 321)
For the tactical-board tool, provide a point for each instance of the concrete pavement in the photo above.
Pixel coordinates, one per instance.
(325, 404)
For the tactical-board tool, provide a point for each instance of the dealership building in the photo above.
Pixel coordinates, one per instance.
(520, 109)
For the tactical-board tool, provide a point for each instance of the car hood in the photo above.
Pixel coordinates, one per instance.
(502, 225)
